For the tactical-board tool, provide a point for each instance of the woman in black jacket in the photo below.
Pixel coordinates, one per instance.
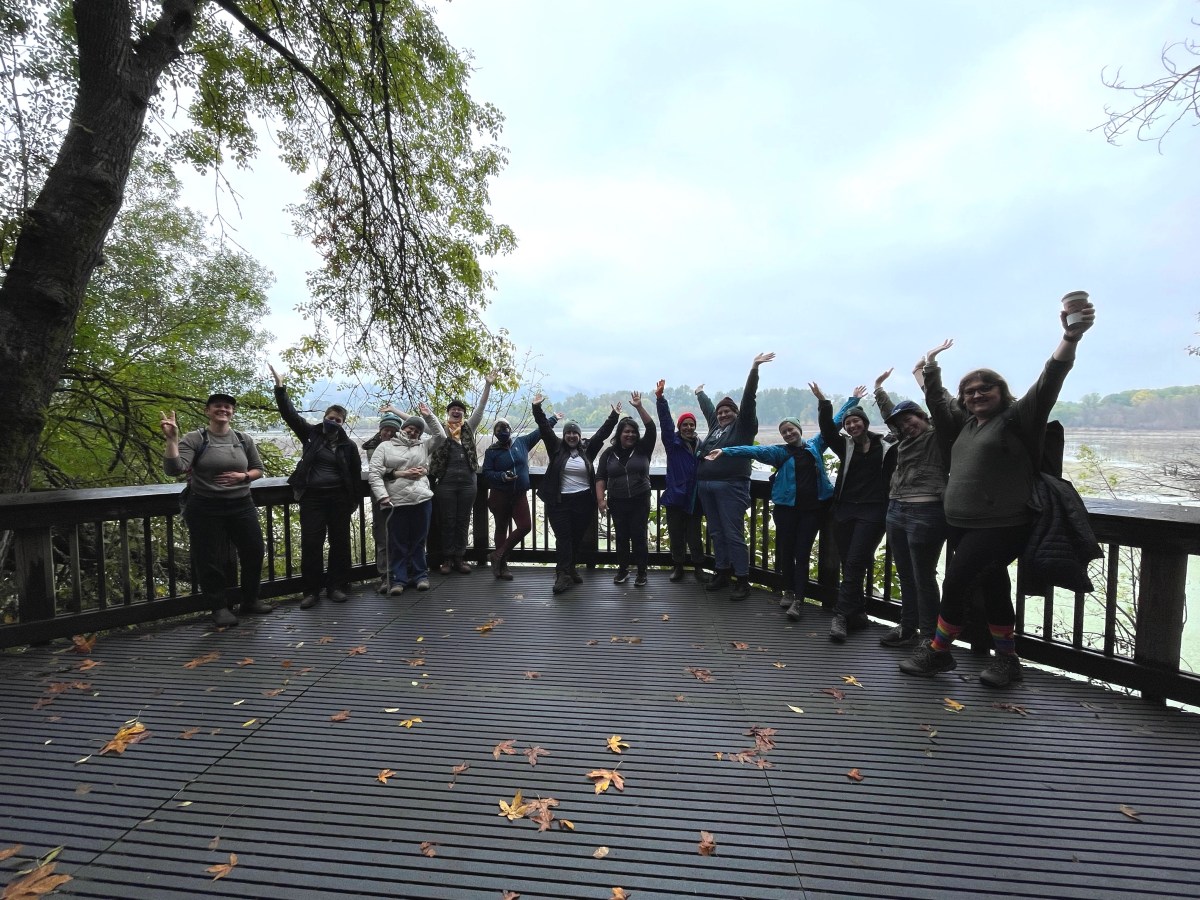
(568, 489)
(624, 472)
(327, 483)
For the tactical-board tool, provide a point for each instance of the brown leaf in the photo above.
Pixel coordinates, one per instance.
(740, 645)
(248, 661)
(700, 674)
(489, 625)
(532, 753)
(212, 656)
(131, 733)
(592, 643)
(855, 775)
(763, 737)
(384, 774)
(1012, 707)
(616, 744)
(222, 869)
(680, 698)
(340, 716)
(43, 702)
(428, 848)
(189, 734)
(274, 693)
(602, 778)
(708, 844)
(600, 852)
(38, 883)
(505, 747)
(835, 693)
(327, 639)
(531, 675)
(416, 661)
(666, 618)
(356, 651)
(11, 851)
(544, 819)
(619, 894)
(286, 664)
(1130, 812)
(83, 645)
(212, 845)
(460, 768)
(88, 664)
(510, 895)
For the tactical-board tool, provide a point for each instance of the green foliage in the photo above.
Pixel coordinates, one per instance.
(1160, 408)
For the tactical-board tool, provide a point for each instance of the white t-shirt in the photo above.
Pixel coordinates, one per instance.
(575, 476)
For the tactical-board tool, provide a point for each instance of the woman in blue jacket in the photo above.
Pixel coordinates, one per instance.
(506, 470)
(683, 510)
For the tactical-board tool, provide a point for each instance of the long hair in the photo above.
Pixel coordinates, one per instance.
(627, 420)
(988, 376)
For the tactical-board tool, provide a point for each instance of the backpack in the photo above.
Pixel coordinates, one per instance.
(187, 488)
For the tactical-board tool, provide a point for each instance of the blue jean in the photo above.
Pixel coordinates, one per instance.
(857, 531)
(725, 504)
(916, 533)
(408, 527)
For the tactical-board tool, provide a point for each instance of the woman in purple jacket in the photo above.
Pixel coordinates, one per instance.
(683, 510)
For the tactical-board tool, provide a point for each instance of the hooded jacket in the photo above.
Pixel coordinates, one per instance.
(311, 437)
(402, 452)
(741, 432)
(681, 461)
(550, 490)
(515, 457)
(847, 451)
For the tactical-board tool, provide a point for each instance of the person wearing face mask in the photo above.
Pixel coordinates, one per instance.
(389, 426)
(453, 472)
(683, 512)
(859, 506)
(800, 493)
(723, 485)
(327, 483)
(623, 490)
(916, 523)
(506, 470)
(398, 476)
(568, 489)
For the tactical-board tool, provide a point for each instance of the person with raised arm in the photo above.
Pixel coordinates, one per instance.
(683, 511)
(398, 475)
(327, 483)
(988, 495)
(623, 490)
(220, 464)
(568, 489)
(916, 522)
(723, 483)
(454, 473)
(390, 421)
(859, 506)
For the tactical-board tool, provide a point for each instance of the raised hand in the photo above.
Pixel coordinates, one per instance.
(390, 409)
(932, 354)
(490, 377)
(615, 407)
(169, 427)
(699, 389)
(275, 375)
(538, 398)
(812, 386)
(635, 399)
(1088, 314)
(860, 392)
(423, 409)
(763, 358)
(882, 378)
(660, 387)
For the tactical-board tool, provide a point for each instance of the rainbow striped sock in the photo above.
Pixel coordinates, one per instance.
(1002, 638)
(945, 635)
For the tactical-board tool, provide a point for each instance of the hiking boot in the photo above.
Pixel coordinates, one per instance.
(901, 637)
(308, 601)
(422, 584)
(786, 599)
(562, 583)
(223, 618)
(444, 568)
(576, 578)
(641, 579)
(837, 629)
(396, 590)
(677, 573)
(719, 581)
(741, 588)
(927, 661)
(857, 622)
(502, 572)
(1003, 670)
(257, 607)
(462, 567)
(793, 611)
(382, 586)
(621, 577)
(337, 595)
(698, 574)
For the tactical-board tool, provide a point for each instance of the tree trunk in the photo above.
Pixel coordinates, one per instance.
(62, 238)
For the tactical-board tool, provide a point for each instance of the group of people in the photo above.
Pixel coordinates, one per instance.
(961, 473)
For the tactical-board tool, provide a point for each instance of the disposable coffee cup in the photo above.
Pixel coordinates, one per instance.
(1074, 303)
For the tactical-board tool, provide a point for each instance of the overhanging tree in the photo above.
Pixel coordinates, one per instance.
(366, 95)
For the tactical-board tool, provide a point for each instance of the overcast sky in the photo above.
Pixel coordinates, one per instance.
(845, 184)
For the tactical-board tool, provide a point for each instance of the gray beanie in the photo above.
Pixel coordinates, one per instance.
(856, 411)
(572, 425)
(415, 420)
(792, 420)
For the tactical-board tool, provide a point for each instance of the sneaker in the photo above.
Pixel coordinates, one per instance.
(640, 581)
(396, 590)
(1003, 670)
(621, 577)
(223, 618)
(793, 611)
(786, 599)
(857, 622)
(576, 578)
(308, 601)
(562, 583)
(337, 595)
(422, 584)
(838, 630)
(719, 581)
(462, 567)
(927, 661)
(901, 637)
(677, 573)
(259, 607)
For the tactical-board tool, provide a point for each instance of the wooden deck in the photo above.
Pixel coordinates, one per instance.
(982, 802)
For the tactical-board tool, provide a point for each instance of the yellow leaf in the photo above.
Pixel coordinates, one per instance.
(222, 869)
(604, 778)
(600, 852)
(392, 709)
(615, 744)
(795, 709)
(850, 679)
(248, 723)
(514, 810)
(567, 824)
(420, 639)
(779, 665)
(384, 775)
(409, 723)
(619, 894)
(953, 705)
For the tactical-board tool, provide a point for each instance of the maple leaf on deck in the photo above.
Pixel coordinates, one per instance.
(1130, 812)
(275, 693)
(835, 693)
(409, 723)
(130, 733)
(763, 763)
(531, 675)
(764, 738)
(428, 848)
(41, 881)
(222, 869)
(11, 851)
(615, 743)
(248, 661)
(505, 747)
(740, 645)
(532, 753)
(384, 775)
(43, 702)
(211, 656)
(89, 664)
(83, 645)
(602, 778)
(489, 625)
(340, 716)
(779, 665)
(1012, 707)
(510, 895)
(855, 775)
(700, 674)
(541, 813)
(953, 705)
(517, 809)
(189, 734)
(592, 643)
(680, 698)
(850, 679)
(356, 651)
(328, 639)
(619, 894)
(416, 661)
(708, 844)
(666, 618)
(460, 768)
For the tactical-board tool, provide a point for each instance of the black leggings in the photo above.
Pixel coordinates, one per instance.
(981, 558)
(630, 516)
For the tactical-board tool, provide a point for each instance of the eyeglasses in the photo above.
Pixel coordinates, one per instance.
(978, 391)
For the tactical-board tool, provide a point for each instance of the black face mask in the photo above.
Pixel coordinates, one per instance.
(330, 427)
(503, 437)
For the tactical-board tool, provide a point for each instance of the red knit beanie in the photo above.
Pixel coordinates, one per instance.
(679, 421)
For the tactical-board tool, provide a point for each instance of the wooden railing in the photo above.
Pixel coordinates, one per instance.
(85, 561)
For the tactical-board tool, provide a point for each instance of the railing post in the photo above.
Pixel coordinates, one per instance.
(35, 574)
(1161, 603)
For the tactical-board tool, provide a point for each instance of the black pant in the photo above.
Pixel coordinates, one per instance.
(324, 512)
(982, 557)
(570, 519)
(214, 524)
(858, 528)
(795, 532)
(630, 517)
(683, 528)
(454, 498)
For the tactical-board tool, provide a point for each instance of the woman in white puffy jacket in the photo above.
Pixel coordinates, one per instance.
(398, 475)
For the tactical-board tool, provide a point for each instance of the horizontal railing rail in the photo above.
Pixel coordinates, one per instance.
(89, 560)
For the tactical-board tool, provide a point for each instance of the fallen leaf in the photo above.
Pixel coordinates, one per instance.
(11, 851)
(505, 747)
(763, 763)
(666, 618)
(212, 656)
(384, 774)
(460, 768)
(356, 651)
(680, 698)
(619, 894)
(566, 825)
(212, 845)
(600, 852)
(41, 881)
(222, 869)
(531, 675)
(428, 848)
(328, 639)
(131, 733)
(532, 753)
(274, 693)
(855, 775)
(392, 709)
(416, 661)
(83, 645)
(1130, 812)
(43, 702)
(238, 702)
(1012, 707)
(189, 734)
(764, 738)
(592, 643)
(340, 716)
(700, 674)
(779, 665)
(708, 844)
(615, 744)
(740, 645)
(514, 810)
(248, 723)
(953, 705)
(795, 709)
(88, 664)
(488, 625)
(409, 723)
(602, 778)
(286, 664)
(850, 679)
(510, 895)
(420, 639)
(248, 661)
(835, 693)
